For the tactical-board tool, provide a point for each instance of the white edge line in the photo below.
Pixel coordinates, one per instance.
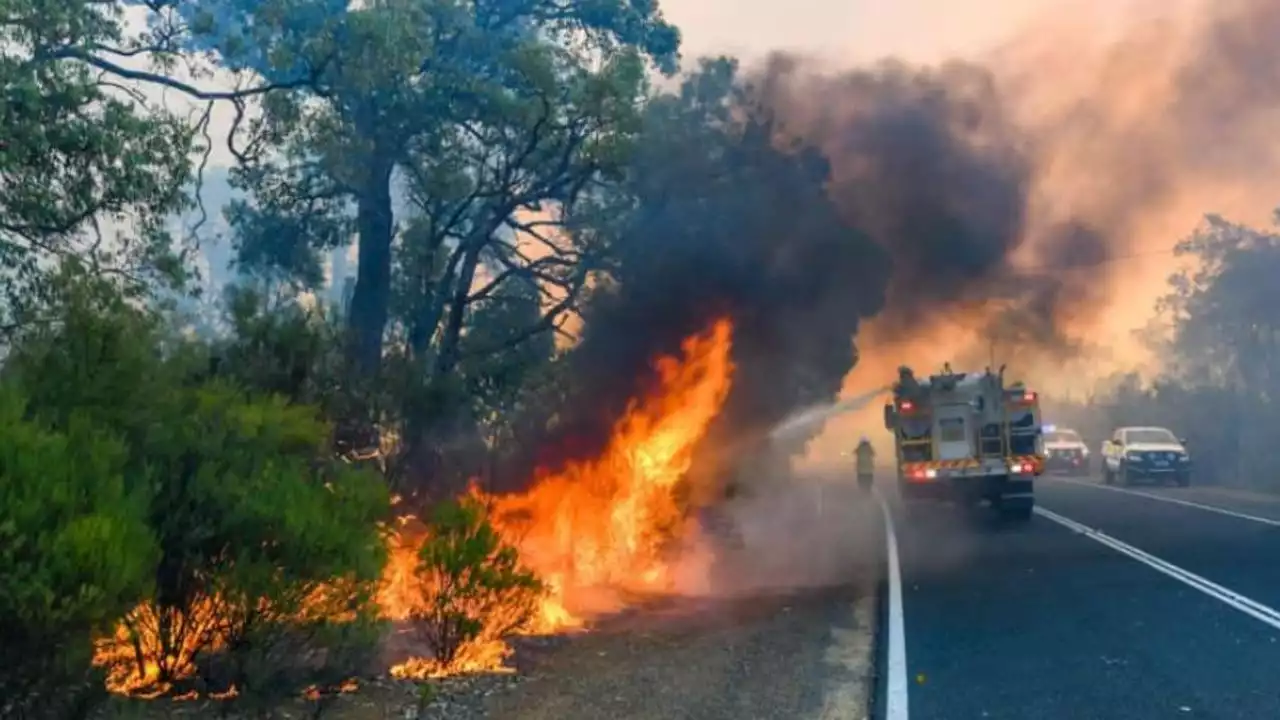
(1174, 501)
(896, 687)
(1246, 605)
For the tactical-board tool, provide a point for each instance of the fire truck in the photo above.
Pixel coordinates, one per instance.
(966, 438)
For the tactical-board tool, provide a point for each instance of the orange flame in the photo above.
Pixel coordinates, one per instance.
(602, 528)
(603, 532)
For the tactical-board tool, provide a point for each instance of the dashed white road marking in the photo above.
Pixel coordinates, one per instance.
(1246, 605)
(896, 687)
(1173, 501)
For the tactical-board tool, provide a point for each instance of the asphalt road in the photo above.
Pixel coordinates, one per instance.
(1126, 604)
(1167, 614)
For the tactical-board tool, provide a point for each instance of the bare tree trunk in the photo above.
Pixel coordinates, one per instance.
(367, 319)
(449, 354)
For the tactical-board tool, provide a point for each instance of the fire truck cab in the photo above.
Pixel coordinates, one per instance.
(967, 438)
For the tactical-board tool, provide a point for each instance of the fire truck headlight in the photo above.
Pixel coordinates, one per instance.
(931, 473)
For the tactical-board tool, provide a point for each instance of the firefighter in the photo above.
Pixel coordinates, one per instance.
(866, 463)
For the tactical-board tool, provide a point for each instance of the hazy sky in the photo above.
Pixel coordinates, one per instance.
(926, 30)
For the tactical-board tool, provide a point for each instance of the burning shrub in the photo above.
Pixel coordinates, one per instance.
(75, 553)
(475, 591)
(266, 549)
(269, 549)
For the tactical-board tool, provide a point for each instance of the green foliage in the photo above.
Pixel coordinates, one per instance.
(75, 554)
(303, 614)
(106, 343)
(475, 586)
(428, 132)
(285, 349)
(246, 508)
(262, 535)
(79, 157)
(483, 111)
(498, 353)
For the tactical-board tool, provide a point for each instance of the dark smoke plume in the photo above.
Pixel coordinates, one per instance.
(912, 195)
(841, 194)
(729, 224)
(930, 162)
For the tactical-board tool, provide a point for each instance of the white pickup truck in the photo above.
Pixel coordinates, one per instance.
(1150, 454)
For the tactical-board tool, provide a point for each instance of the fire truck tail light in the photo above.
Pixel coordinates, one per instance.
(908, 405)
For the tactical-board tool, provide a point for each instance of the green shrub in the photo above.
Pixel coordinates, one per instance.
(75, 555)
(269, 549)
(273, 548)
(473, 584)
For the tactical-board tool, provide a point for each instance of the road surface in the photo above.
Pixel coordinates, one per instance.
(1131, 604)
(1112, 603)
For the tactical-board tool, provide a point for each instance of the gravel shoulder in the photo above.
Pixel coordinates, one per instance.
(806, 655)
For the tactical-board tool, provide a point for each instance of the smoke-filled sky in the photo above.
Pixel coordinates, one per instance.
(1130, 131)
(1028, 181)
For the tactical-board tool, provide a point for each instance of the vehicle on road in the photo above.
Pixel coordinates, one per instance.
(1145, 454)
(966, 438)
(1065, 452)
(866, 464)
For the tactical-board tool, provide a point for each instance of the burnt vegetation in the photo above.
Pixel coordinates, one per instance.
(441, 242)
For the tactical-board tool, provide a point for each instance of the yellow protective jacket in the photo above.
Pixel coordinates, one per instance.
(866, 459)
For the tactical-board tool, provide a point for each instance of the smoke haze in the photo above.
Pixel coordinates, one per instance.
(1129, 136)
(1018, 205)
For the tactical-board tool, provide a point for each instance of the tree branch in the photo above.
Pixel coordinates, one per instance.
(71, 52)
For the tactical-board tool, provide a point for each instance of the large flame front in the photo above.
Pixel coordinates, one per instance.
(600, 530)
(603, 532)
(598, 533)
